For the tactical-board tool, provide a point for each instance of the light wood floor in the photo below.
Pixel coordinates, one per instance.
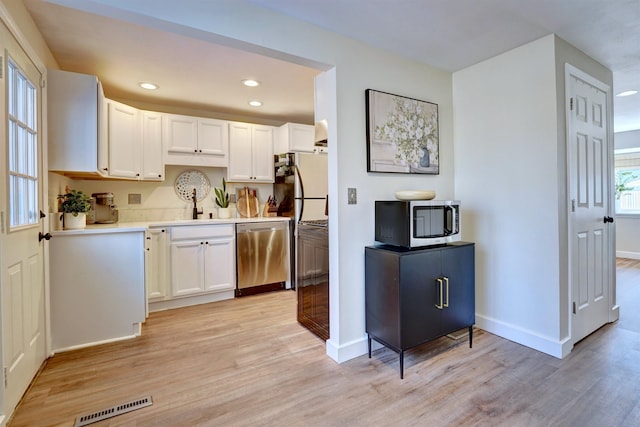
(246, 362)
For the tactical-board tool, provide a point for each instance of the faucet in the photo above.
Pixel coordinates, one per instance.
(196, 212)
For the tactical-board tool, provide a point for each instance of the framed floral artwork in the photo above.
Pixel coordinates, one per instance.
(402, 134)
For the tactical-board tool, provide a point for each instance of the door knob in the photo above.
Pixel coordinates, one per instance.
(608, 219)
(44, 236)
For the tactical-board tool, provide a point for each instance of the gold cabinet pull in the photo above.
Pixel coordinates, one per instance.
(440, 306)
(446, 281)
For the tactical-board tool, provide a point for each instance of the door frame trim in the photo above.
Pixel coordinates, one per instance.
(614, 311)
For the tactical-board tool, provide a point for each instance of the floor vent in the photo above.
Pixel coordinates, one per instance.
(123, 408)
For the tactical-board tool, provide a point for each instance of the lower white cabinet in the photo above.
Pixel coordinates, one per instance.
(155, 263)
(198, 265)
(202, 259)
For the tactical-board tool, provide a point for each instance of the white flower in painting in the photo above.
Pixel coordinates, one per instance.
(413, 128)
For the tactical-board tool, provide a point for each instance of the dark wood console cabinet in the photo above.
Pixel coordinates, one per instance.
(414, 296)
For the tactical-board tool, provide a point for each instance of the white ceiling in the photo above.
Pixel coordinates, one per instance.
(192, 74)
(448, 34)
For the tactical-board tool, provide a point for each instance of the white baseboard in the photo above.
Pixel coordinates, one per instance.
(347, 351)
(91, 344)
(178, 302)
(630, 255)
(525, 337)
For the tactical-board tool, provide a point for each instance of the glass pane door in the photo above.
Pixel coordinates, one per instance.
(23, 149)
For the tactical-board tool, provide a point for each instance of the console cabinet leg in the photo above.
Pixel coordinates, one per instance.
(470, 337)
(401, 364)
(369, 344)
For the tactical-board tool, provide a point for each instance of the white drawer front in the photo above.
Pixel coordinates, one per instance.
(202, 231)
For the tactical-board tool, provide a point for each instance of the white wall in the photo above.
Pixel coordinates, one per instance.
(357, 68)
(629, 139)
(510, 168)
(506, 176)
(628, 226)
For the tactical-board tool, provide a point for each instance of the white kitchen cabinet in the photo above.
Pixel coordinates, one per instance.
(296, 138)
(152, 155)
(187, 267)
(134, 138)
(202, 259)
(156, 263)
(250, 153)
(196, 141)
(76, 132)
(124, 132)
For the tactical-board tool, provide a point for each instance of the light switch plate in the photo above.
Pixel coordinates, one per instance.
(352, 196)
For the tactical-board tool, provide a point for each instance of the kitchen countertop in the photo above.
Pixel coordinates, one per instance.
(123, 227)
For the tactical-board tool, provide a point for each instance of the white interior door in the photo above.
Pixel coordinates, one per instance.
(590, 223)
(21, 253)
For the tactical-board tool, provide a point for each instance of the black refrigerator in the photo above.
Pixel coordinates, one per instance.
(301, 192)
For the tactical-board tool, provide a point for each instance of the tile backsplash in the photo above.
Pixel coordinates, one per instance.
(159, 201)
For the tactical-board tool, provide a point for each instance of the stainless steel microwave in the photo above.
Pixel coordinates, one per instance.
(417, 223)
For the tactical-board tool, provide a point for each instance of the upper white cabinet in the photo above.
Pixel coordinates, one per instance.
(90, 135)
(75, 110)
(250, 153)
(152, 154)
(124, 134)
(135, 143)
(196, 141)
(295, 138)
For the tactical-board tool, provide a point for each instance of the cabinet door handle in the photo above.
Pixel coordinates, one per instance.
(446, 281)
(440, 306)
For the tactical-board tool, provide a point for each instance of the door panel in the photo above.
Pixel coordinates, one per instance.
(419, 297)
(589, 189)
(21, 253)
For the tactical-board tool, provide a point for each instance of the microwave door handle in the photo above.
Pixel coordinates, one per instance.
(448, 219)
(454, 223)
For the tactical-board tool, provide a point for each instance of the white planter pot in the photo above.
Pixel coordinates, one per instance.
(224, 213)
(73, 222)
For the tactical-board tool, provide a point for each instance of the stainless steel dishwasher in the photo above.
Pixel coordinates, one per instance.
(263, 257)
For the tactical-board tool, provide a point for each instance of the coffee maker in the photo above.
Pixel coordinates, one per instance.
(105, 211)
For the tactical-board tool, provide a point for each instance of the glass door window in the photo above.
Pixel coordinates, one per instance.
(23, 148)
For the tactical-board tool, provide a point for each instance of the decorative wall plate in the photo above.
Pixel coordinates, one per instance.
(190, 179)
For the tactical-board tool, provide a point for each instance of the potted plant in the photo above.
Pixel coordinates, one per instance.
(75, 205)
(222, 200)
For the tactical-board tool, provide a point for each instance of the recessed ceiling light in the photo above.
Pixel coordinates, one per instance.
(149, 86)
(255, 103)
(251, 83)
(627, 93)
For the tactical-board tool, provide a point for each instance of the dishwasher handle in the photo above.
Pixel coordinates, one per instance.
(246, 228)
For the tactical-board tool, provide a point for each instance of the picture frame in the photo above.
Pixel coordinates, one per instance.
(402, 134)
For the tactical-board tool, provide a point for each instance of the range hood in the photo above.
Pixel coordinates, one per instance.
(320, 138)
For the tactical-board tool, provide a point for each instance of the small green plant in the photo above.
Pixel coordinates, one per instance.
(74, 202)
(222, 197)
